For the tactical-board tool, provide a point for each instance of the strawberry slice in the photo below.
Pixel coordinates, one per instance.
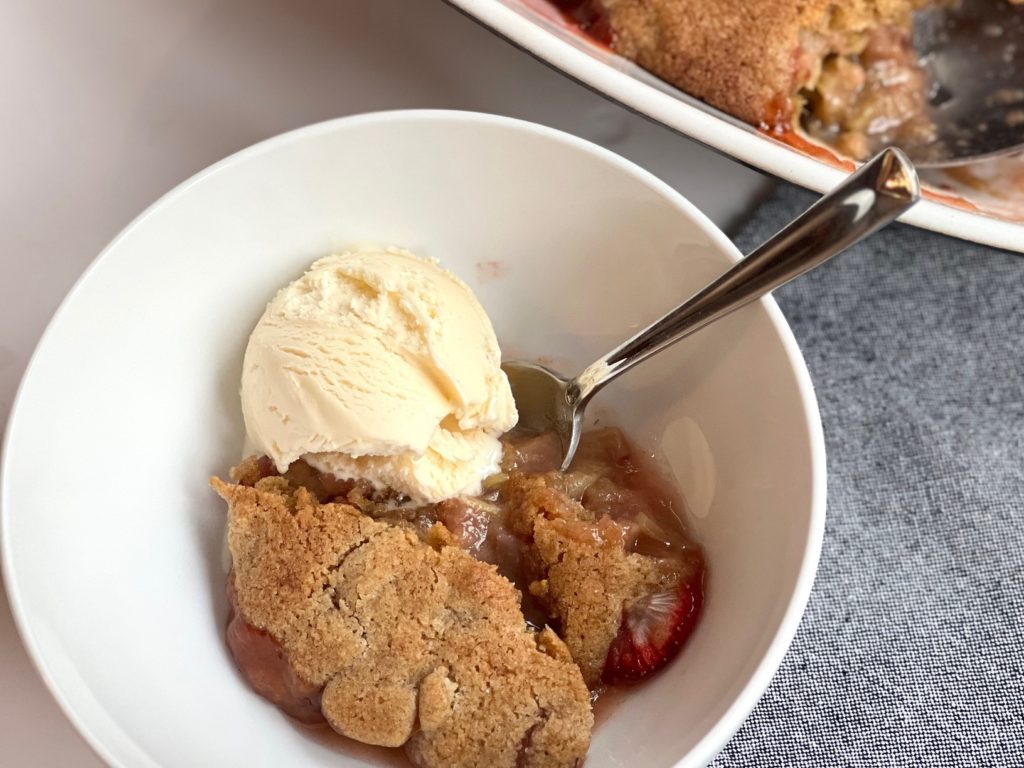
(653, 631)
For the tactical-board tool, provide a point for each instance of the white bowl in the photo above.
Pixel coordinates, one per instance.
(111, 538)
(953, 208)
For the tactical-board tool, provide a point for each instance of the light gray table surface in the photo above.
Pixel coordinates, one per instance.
(108, 104)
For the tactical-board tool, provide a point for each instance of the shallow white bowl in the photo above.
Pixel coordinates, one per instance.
(111, 538)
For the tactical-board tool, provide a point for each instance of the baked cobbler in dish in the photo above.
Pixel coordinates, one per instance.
(846, 72)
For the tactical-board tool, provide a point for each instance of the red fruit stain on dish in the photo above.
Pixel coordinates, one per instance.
(590, 16)
(486, 271)
(794, 139)
(654, 629)
(952, 200)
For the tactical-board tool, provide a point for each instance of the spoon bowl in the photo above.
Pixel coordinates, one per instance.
(542, 398)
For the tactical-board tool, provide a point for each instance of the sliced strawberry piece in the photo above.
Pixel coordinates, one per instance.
(653, 631)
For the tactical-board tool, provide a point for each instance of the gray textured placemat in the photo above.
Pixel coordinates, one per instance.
(911, 651)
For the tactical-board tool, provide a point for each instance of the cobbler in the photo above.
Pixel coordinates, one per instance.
(846, 73)
(472, 632)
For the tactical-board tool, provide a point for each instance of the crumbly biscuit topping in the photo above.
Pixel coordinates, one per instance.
(411, 644)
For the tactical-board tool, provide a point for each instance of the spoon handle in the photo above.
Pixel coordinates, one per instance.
(865, 202)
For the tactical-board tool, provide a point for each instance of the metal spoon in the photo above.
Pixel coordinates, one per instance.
(866, 201)
(973, 52)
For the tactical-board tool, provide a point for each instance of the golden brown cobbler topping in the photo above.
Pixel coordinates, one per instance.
(410, 645)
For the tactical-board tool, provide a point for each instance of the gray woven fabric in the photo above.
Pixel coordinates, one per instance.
(911, 651)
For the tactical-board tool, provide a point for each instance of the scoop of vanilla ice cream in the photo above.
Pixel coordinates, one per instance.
(379, 365)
